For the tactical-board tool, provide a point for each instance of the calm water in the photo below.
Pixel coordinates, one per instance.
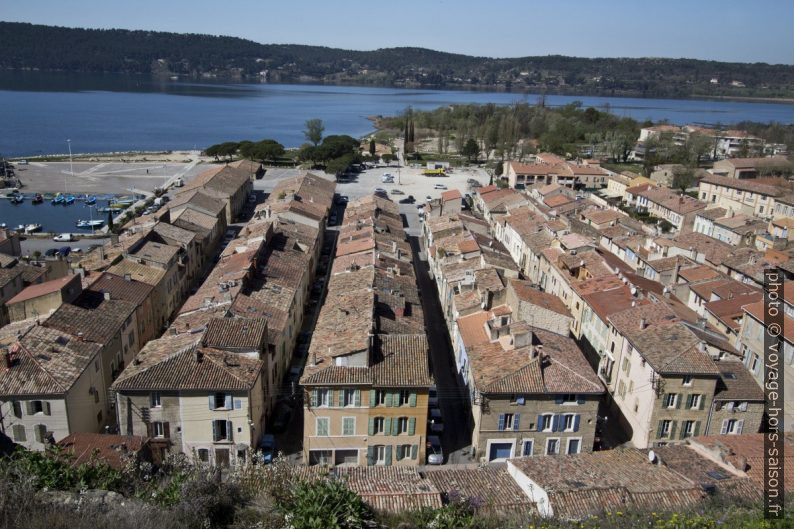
(53, 218)
(114, 112)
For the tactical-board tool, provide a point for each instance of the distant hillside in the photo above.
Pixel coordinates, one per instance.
(158, 53)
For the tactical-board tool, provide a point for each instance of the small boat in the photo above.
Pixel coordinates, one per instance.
(17, 199)
(58, 199)
(21, 227)
(90, 223)
(104, 210)
(3, 225)
(90, 200)
(38, 198)
(30, 228)
(69, 199)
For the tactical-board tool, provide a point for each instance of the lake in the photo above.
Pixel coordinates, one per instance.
(103, 113)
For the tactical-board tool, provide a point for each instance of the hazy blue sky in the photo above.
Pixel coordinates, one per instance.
(731, 30)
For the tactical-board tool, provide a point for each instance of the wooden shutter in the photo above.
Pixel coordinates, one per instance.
(739, 426)
(501, 425)
(214, 431)
(212, 402)
(539, 426)
(517, 422)
(689, 400)
(673, 425)
(372, 426)
(387, 426)
(19, 433)
(227, 401)
(696, 429)
(370, 455)
(166, 430)
(357, 398)
(678, 401)
(412, 426)
(400, 452)
(388, 398)
(29, 407)
(414, 451)
(229, 431)
(412, 399)
(556, 423)
(702, 403)
(388, 455)
(576, 419)
(724, 428)
(17, 409)
(150, 430)
(40, 432)
(46, 407)
(659, 430)
(372, 398)
(395, 426)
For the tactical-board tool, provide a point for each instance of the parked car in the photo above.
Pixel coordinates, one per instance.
(432, 397)
(51, 252)
(435, 455)
(63, 237)
(429, 198)
(439, 186)
(397, 192)
(380, 190)
(64, 250)
(435, 422)
(267, 447)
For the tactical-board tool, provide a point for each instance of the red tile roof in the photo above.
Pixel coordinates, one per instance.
(42, 289)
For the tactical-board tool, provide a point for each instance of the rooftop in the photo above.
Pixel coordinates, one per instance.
(42, 289)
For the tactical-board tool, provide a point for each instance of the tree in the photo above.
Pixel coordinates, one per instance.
(372, 146)
(339, 165)
(314, 130)
(470, 149)
(325, 504)
(683, 177)
(387, 158)
(498, 169)
(262, 151)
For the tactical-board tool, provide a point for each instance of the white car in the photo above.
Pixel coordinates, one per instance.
(435, 422)
(63, 237)
(435, 455)
(439, 186)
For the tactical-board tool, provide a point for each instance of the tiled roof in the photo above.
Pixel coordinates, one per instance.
(601, 216)
(112, 450)
(118, 287)
(627, 322)
(178, 363)
(668, 199)
(472, 328)
(235, 333)
(714, 251)
(753, 185)
(92, 317)
(491, 489)
(673, 349)
(525, 292)
(736, 383)
(42, 289)
(198, 199)
(452, 194)
(47, 362)
(147, 274)
(174, 233)
(729, 311)
(606, 302)
(7, 275)
(697, 273)
(612, 480)
(557, 200)
(723, 289)
(713, 213)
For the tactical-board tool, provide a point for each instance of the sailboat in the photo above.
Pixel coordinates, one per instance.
(69, 199)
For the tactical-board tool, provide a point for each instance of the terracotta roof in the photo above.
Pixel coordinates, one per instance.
(557, 200)
(697, 273)
(150, 275)
(668, 199)
(756, 310)
(753, 185)
(736, 383)
(176, 234)
(235, 333)
(627, 322)
(92, 317)
(42, 289)
(669, 263)
(722, 288)
(7, 275)
(452, 194)
(118, 287)
(491, 489)
(606, 302)
(753, 163)
(112, 450)
(713, 213)
(48, 362)
(472, 328)
(525, 292)
(587, 484)
(673, 350)
(178, 363)
(198, 199)
(729, 311)
(601, 216)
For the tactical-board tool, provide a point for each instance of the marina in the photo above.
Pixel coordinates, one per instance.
(58, 213)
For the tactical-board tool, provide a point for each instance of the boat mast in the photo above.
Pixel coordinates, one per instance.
(71, 167)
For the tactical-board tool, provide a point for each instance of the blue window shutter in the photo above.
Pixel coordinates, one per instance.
(214, 431)
(501, 422)
(387, 400)
(576, 422)
(516, 421)
(555, 423)
(238, 404)
(388, 455)
(229, 431)
(539, 424)
(227, 401)
(412, 426)
(414, 451)
(212, 402)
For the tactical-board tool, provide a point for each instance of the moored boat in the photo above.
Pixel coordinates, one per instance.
(58, 199)
(90, 223)
(90, 200)
(69, 199)
(17, 199)
(30, 228)
(38, 198)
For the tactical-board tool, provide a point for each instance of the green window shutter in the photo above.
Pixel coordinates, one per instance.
(372, 396)
(412, 426)
(673, 425)
(388, 455)
(412, 399)
(664, 400)
(341, 396)
(678, 401)
(395, 426)
(370, 455)
(400, 452)
(372, 426)
(315, 398)
(388, 398)
(696, 429)
(682, 433)
(47, 408)
(357, 398)
(689, 399)
(702, 402)
(659, 430)
(414, 451)
(387, 426)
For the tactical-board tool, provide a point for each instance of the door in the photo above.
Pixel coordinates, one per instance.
(500, 451)
(222, 457)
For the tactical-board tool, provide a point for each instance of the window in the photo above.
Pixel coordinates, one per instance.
(204, 455)
(221, 430)
(321, 426)
(664, 428)
(625, 366)
(40, 432)
(403, 452)
(547, 423)
(380, 397)
(17, 406)
(221, 401)
(568, 423)
(348, 426)
(402, 425)
(732, 426)
(526, 450)
(378, 423)
(754, 363)
(573, 446)
(19, 433)
(687, 381)
(693, 401)
(380, 455)
(349, 398)
(323, 397)
(36, 407)
(670, 400)
(157, 429)
(569, 398)
(509, 421)
(404, 398)
(154, 399)
(688, 429)
(552, 447)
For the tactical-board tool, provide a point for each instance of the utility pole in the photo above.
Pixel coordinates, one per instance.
(71, 167)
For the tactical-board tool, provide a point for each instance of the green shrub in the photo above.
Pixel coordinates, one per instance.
(325, 504)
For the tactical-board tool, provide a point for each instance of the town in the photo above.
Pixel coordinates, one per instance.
(563, 340)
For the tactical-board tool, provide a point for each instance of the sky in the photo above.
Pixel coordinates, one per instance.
(724, 30)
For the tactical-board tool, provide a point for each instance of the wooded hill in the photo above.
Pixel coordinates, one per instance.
(95, 50)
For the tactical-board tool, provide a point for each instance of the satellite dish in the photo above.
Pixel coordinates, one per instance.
(651, 456)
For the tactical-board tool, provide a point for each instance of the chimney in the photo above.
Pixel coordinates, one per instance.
(199, 357)
(643, 323)
(9, 358)
(106, 296)
(702, 346)
(127, 277)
